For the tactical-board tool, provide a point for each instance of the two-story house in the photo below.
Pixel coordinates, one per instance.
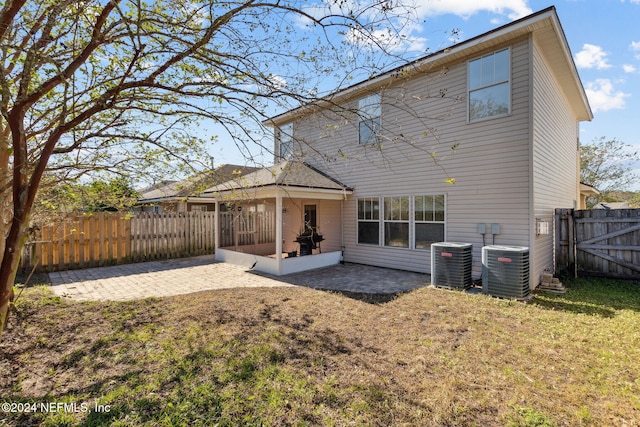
(477, 143)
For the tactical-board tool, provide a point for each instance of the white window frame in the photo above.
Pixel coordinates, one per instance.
(433, 219)
(369, 219)
(489, 82)
(394, 214)
(370, 116)
(412, 221)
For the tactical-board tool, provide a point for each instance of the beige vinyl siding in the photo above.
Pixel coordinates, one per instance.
(555, 158)
(490, 164)
(329, 217)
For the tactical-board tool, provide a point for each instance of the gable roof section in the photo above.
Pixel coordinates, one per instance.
(285, 174)
(543, 25)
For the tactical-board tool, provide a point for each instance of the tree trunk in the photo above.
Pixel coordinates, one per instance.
(14, 245)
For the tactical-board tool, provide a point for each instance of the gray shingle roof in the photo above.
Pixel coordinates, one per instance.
(194, 185)
(289, 173)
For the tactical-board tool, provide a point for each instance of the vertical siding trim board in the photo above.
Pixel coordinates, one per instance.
(533, 282)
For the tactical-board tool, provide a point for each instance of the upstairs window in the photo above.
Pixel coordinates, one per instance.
(369, 111)
(285, 141)
(490, 86)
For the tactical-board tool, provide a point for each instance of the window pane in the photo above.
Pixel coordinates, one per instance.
(368, 209)
(502, 66)
(310, 217)
(396, 234)
(396, 208)
(439, 208)
(488, 70)
(286, 149)
(419, 208)
(370, 106)
(475, 73)
(426, 234)
(428, 209)
(369, 232)
(369, 130)
(487, 102)
(286, 140)
(375, 209)
(388, 208)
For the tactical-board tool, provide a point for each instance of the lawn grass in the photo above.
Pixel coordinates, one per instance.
(297, 356)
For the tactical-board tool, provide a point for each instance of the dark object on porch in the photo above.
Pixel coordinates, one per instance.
(308, 241)
(292, 254)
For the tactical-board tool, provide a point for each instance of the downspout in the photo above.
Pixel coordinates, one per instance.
(342, 228)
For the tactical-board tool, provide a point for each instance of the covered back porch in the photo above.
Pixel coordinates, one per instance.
(280, 220)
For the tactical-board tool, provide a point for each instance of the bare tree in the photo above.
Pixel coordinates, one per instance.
(91, 85)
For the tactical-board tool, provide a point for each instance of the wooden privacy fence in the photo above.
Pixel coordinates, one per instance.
(81, 241)
(599, 242)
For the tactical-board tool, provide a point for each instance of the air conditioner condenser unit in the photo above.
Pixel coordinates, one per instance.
(505, 271)
(451, 265)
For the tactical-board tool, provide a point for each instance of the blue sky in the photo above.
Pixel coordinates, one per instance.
(604, 37)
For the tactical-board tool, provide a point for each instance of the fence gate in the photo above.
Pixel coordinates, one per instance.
(598, 242)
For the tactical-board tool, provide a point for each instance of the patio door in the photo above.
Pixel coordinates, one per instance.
(310, 218)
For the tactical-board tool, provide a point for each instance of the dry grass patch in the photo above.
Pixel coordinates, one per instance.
(297, 356)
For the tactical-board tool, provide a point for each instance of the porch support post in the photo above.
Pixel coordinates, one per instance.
(279, 233)
(216, 229)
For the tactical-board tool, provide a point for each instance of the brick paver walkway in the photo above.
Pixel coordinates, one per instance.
(183, 276)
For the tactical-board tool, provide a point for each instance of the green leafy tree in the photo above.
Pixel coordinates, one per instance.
(115, 194)
(606, 165)
(97, 85)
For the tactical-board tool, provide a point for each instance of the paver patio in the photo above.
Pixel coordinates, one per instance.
(188, 275)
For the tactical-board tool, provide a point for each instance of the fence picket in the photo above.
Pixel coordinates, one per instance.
(82, 241)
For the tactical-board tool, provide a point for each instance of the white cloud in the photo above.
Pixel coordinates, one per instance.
(592, 56)
(603, 97)
(277, 82)
(635, 46)
(628, 68)
(514, 9)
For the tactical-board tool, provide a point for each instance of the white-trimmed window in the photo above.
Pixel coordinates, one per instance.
(490, 85)
(396, 221)
(429, 218)
(369, 125)
(412, 222)
(369, 221)
(285, 141)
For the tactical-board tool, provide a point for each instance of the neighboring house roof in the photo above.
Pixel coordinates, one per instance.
(544, 25)
(289, 174)
(612, 205)
(181, 190)
(587, 189)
